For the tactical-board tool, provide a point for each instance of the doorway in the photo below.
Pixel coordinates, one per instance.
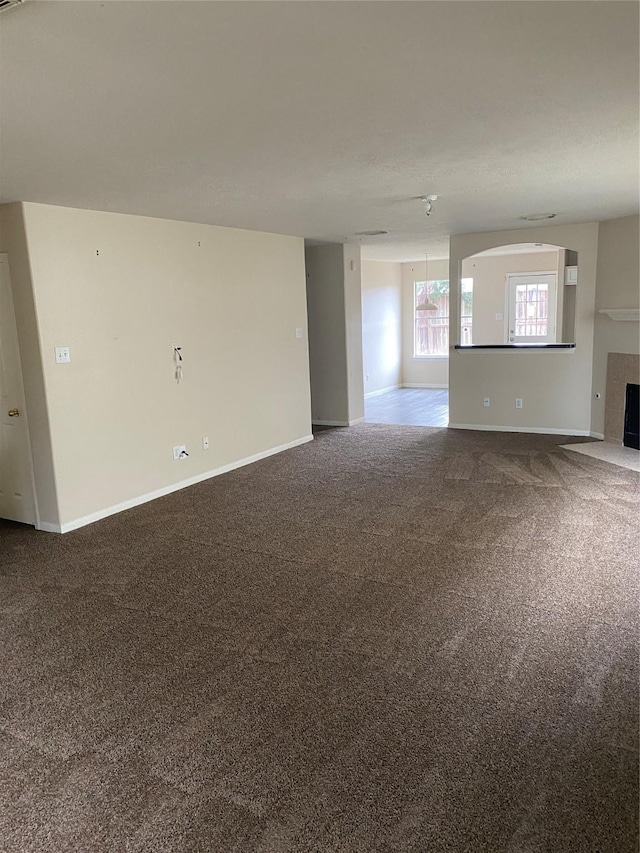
(409, 407)
(17, 501)
(532, 308)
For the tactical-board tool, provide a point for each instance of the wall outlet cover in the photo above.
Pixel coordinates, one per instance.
(63, 355)
(486, 402)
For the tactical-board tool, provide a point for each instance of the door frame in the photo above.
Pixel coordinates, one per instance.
(4, 261)
(507, 299)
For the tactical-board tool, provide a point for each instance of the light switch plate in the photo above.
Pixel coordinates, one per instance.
(63, 355)
(298, 332)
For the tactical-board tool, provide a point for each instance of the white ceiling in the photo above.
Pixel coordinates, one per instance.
(324, 119)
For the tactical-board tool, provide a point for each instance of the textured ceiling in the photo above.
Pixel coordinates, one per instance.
(324, 119)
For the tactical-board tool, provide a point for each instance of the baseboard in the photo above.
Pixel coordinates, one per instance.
(48, 527)
(597, 435)
(167, 490)
(535, 430)
(338, 423)
(382, 391)
(424, 385)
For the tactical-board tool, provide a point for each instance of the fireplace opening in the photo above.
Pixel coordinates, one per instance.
(632, 417)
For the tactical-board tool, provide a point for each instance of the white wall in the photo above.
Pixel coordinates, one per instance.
(381, 325)
(618, 286)
(430, 372)
(121, 291)
(555, 385)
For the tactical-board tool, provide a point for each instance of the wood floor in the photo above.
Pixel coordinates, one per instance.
(413, 406)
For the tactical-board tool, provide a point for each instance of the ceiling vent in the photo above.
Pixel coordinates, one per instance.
(9, 4)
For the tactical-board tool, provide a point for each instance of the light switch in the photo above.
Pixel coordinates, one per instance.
(298, 332)
(500, 316)
(63, 355)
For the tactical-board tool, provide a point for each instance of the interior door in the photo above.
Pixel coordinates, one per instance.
(16, 482)
(532, 308)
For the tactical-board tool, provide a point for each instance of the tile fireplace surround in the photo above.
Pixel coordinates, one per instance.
(621, 369)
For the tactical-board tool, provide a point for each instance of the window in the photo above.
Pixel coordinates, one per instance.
(466, 311)
(431, 327)
(431, 336)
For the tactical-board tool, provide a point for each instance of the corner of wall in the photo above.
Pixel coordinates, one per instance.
(14, 240)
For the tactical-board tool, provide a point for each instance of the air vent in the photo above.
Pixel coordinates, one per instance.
(9, 4)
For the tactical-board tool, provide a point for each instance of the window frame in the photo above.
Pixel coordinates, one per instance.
(429, 356)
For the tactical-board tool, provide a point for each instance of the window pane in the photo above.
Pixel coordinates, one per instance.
(432, 327)
(432, 336)
(532, 310)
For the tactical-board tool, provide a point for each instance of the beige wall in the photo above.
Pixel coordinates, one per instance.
(555, 386)
(121, 291)
(618, 286)
(13, 242)
(327, 334)
(489, 276)
(334, 298)
(353, 323)
(429, 372)
(381, 325)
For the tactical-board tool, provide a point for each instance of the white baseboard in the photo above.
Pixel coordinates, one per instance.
(167, 490)
(424, 385)
(48, 527)
(597, 435)
(535, 430)
(338, 423)
(382, 391)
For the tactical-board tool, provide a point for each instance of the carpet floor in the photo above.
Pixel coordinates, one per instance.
(389, 639)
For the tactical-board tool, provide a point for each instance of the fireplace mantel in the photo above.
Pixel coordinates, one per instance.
(630, 314)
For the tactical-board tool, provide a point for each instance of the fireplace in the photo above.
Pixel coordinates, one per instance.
(632, 416)
(623, 371)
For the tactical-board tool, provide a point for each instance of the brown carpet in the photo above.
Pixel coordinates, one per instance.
(390, 639)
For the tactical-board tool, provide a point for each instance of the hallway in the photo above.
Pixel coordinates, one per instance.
(411, 406)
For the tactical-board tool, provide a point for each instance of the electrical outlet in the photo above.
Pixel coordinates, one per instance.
(486, 402)
(518, 402)
(205, 442)
(180, 451)
(298, 332)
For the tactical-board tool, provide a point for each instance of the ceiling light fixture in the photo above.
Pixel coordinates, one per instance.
(426, 304)
(370, 233)
(10, 4)
(428, 200)
(537, 217)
